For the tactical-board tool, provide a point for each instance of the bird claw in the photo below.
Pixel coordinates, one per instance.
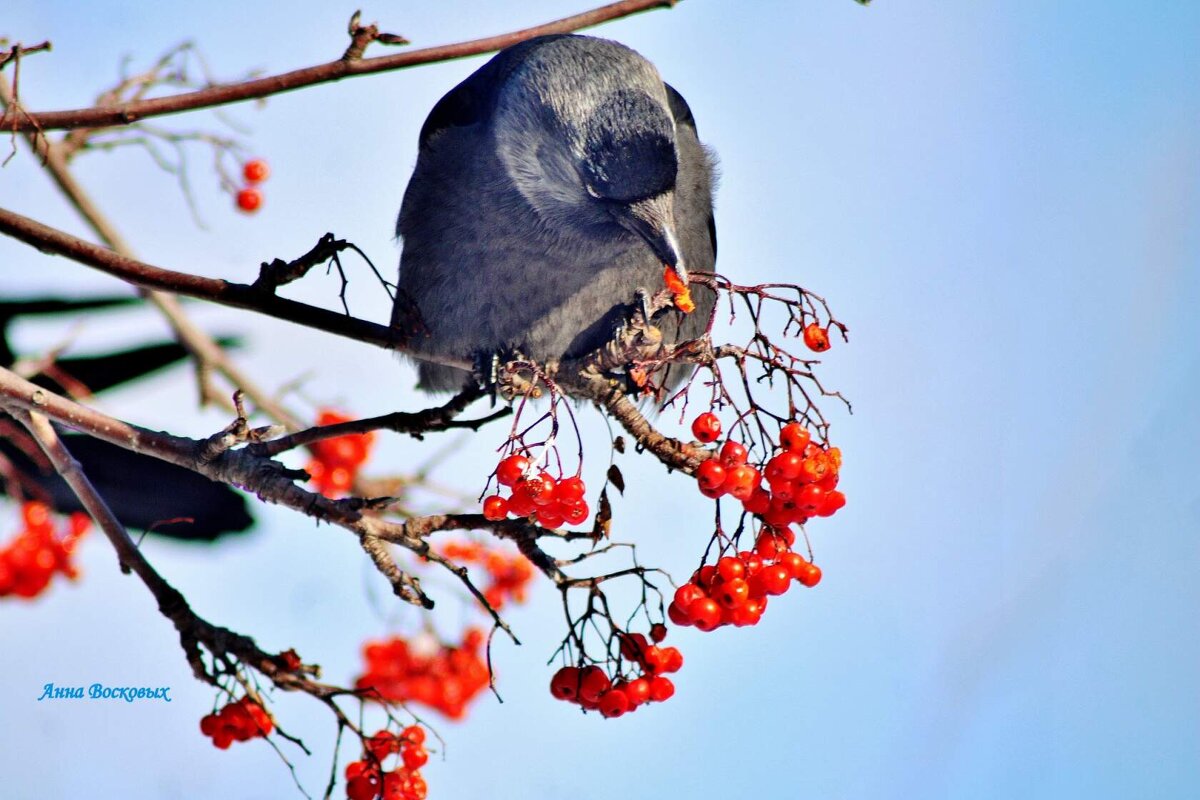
(513, 384)
(506, 375)
(645, 299)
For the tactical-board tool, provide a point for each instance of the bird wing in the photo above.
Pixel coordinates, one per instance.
(683, 117)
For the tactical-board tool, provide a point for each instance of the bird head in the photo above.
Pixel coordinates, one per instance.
(585, 131)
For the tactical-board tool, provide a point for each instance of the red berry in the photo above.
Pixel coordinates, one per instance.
(575, 512)
(36, 516)
(734, 593)
(705, 613)
(687, 594)
(710, 475)
(781, 513)
(783, 468)
(520, 504)
(810, 575)
(381, 745)
(414, 757)
(758, 502)
(775, 578)
(255, 171)
(569, 490)
(361, 788)
(829, 482)
(656, 659)
(614, 703)
(565, 683)
(592, 684)
(752, 561)
(743, 616)
(673, 661)
(794, 563)
(730, 567)
(677, 615)
(249, 199)
(706, 427)
(80, 523)
(751, 612)
(741, 481)
(816, 337)
(638, 692)
(413, 734)
(661, 688)
(540, 488)
(634, 646)
(511, 469)
(549, 516)
(814, 468)
(783, 492)
(658, 632)
(733, 454)
(794, 437)
(495, 508)
(810, 498)
(831, 503)
(769, 545)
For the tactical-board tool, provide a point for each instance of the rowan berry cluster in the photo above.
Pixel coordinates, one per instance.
(801, 478)
(426, 671)
(592, 689)
(239, 721)
(30, 560)
(535, 493)
(367, 780)
(336, 461)
(250, 197)
(734, 591)
(509, 573)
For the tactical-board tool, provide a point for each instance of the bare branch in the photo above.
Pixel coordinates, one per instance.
(126, 113)
(193, 630)
(18, 50)
(237, 295)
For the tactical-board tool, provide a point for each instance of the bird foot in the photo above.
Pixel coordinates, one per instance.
(509, 375)
(635, 341)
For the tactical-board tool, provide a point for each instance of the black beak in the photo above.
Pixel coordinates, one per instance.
(652, 221)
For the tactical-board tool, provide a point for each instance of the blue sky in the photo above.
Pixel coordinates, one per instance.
(1000, 199)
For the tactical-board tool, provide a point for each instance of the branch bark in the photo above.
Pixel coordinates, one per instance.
(123, 114)
(146, 276)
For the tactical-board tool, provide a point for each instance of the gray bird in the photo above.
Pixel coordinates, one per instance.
(551, 186)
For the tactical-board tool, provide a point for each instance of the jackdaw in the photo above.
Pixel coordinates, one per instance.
(551, 186)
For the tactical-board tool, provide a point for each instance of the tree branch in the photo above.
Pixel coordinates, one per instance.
(238, 295)
(126, 113)
(17, 50)
(269, 480)
(208, 353)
